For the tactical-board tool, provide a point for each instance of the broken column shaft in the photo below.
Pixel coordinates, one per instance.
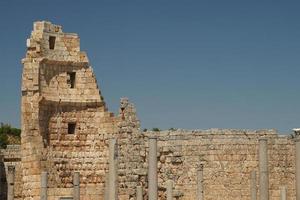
(10, 182)
(152, 169)
(253, 187)
(169, 190)
(106, 186)
(112, 173)
(263, 170)
(283, 193)
(200, 183)
(139, 193)
(76, 186)
(44, 182)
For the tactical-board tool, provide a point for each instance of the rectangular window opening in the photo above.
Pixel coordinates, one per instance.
(51, 42)
(71, 128)
(71, 79)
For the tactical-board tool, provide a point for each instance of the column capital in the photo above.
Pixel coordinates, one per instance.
(201, 166)
(296, 134)
(11, 168)
(112, 138)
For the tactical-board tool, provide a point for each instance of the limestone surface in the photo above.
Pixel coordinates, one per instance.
(66, 129)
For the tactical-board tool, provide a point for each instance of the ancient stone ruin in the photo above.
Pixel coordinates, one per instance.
(73, 148)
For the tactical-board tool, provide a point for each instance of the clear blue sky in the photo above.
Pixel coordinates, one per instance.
(185, 64)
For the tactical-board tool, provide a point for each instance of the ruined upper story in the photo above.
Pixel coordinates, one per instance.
(55, 67)
(48, 41)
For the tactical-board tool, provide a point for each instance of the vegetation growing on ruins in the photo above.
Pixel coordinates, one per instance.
(156, 129)
(9, 135)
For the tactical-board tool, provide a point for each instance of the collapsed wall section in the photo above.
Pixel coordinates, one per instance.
(132, 168)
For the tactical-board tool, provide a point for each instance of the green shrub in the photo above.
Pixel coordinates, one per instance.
(156, 129)
(5, 131)
(3, 140)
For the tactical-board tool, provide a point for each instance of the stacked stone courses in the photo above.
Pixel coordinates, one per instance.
(72, 147)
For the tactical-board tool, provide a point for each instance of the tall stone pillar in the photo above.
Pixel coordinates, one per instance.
(139, 193)
(10, 182)
(76, 186)
(283, 193)
(297, 149)
(253, 187)
(263, 170)
(112, 173)
(200, 183)
(169, 190)
(44, 185)
(152, 169)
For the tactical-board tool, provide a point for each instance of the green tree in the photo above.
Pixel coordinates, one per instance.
(5, 131)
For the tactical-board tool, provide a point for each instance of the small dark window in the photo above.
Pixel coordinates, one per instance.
(51, 42)
(71, 79)
(71, 128)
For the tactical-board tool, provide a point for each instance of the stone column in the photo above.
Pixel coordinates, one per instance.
(76, 186)
(10, 182)
(139, 193)
(112, 172)
(297, 149)
(152, 169)
(253, 187)
(44, 186)
(283, 193)
(169, 190)
(200, 183)
(106, 187)
(263, 170)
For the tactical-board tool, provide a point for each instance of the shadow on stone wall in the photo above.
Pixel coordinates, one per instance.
(3, 181)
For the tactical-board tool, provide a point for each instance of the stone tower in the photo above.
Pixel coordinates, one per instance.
(65, 123)
(69, 136)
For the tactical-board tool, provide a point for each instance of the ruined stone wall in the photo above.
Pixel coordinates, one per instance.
(84, 152)
(11, 157)
(59, 91)
(228, 157)
(66, 128)
(132, 168)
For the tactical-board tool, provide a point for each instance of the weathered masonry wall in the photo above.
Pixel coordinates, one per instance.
(65, 123)
(228, 157)
(10, 165)
(72, 147)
